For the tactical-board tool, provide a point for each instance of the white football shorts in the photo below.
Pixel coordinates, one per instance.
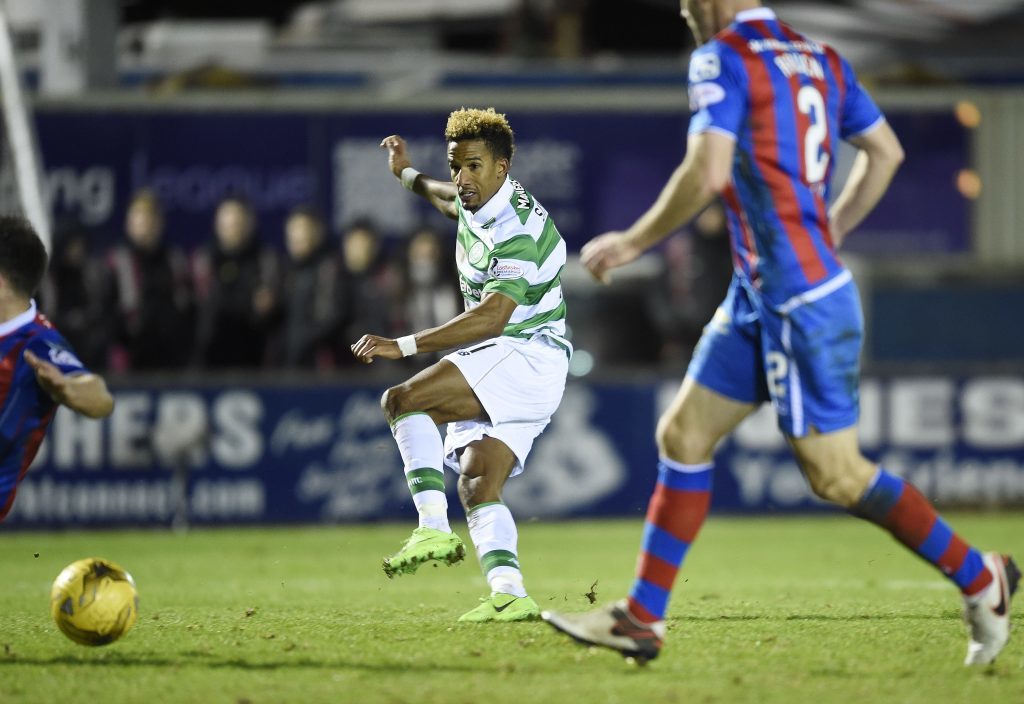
(519, 383)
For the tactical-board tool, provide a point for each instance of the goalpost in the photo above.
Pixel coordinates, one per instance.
(20, 136)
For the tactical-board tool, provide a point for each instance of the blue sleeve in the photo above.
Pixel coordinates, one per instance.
(859, 110)
(50, 346)
(718, 90)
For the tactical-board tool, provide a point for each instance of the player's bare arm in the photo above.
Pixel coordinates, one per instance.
(440, 194)
(703, 174)
(483, 322)
(84, 393)
(876, 163)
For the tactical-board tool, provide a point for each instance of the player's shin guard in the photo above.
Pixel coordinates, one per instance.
(897, 506)
(675, 514)
(494, 534)
(422, 450)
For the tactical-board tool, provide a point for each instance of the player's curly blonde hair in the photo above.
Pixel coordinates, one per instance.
(487, 125)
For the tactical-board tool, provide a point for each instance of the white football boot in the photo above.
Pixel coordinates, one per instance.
(988, 618)
(612, 627)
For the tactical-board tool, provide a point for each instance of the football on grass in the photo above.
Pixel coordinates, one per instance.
(94, 601)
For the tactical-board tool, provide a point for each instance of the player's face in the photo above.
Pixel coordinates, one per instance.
(475, 171)
(698, 15)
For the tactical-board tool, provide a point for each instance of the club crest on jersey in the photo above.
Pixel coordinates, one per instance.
(505, 270)
(704, 95)
(477, 253)
(63, 357)
(705, 67)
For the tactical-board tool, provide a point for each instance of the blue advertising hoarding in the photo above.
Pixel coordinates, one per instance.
(324, 454)
(593, 170)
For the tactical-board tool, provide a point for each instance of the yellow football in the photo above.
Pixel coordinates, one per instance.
(94, 601)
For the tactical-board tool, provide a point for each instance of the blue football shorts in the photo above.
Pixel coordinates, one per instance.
(806, 360)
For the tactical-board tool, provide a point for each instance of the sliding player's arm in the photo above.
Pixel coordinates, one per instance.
(703, 174)
(83, 392)
(876, 163)
(440, 194)
(481, 322)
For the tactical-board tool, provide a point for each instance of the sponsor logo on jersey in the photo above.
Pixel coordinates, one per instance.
(477, 253)
(505, 270)
(63, 357)
(705, 67)
(468, 290)
(704, 95)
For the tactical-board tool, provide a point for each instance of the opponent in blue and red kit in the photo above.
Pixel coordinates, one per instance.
(785, 101)
(769, 108)
(38, 369)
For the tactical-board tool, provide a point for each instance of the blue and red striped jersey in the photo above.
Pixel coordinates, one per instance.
(787, 101)
(25, 408)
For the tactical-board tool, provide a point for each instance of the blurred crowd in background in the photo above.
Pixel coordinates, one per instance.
(257, 295)
(238, 301)
(249, 299)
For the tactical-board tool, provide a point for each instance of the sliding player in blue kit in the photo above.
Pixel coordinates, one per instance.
(769, 108)
(38, 369)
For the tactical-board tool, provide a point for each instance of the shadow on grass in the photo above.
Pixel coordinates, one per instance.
(869, 617)
(824, 618)
(194, 659)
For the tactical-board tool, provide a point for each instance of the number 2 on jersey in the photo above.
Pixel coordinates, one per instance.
(810, 102)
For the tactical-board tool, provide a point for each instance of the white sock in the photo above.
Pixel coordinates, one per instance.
(419, 442)
(494, 534)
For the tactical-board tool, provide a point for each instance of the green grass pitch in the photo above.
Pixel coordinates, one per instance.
(819, 610)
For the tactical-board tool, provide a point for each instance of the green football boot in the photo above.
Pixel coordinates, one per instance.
(424, 545)
(503, 607)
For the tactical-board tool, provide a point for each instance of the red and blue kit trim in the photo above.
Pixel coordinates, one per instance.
(897, 506)
(676, 512)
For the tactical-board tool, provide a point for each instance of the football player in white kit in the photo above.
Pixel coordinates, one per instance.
(498, 390)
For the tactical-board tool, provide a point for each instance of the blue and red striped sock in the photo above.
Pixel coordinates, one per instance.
(674, 516)
(897, 506)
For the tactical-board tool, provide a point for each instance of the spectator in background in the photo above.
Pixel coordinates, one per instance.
(70, 295)
(312, 302)
(695, 278)
(428, 297)
(371, 287)
(235, 282)
(147, 293)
